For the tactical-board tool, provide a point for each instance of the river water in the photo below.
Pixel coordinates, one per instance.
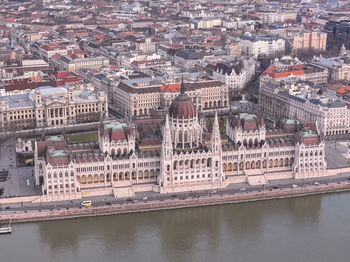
(305, 229)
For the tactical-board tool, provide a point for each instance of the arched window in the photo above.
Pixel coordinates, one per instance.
(209, 162)
(192, 163)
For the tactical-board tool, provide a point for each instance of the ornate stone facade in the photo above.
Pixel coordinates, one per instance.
(52, 106)
(303, 102)
(138, 96)
(235, 74)
(185, 155)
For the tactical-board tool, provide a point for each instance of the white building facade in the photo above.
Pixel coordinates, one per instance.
(302, 102)
(235, 74)
(262, 46)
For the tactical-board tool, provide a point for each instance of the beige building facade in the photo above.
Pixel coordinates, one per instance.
(338, 67)
(52, 106)
(138, 96)
(317, 41)
(302, 102)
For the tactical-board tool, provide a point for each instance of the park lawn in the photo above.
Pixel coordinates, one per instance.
(222, 124)
(81, 138)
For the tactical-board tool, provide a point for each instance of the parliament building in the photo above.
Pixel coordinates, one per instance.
(182, 152)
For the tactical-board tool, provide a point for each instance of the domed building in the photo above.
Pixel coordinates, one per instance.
(177, 159)
(186, 131)
(186, 164)
(13, 59)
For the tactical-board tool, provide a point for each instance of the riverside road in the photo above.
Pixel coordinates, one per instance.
(151, 197)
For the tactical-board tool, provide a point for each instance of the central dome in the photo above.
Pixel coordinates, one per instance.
(182, 107)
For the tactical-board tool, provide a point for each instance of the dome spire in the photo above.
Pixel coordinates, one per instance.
(182, 89)
(182, 106)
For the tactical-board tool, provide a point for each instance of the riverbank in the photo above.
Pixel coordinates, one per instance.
(172, 204)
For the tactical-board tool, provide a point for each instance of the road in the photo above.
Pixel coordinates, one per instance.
(156, 197)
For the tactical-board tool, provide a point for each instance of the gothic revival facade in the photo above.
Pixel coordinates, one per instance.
(188, 153)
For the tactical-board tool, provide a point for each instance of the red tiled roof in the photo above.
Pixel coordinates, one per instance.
(118, 135)
(341, 91)
(171, 88)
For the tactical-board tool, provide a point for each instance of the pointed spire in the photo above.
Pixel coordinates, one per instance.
(215, 135)
(182, 89)
(167, 125)
(342, 50)
(167, 145)
(216, 122)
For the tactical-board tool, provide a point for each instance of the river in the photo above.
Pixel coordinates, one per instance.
(305, 229)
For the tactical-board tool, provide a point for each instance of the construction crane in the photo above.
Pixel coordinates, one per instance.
(287, 28)
(309, 25)
(292, 46)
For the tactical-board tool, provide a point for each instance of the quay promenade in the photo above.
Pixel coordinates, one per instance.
(193, 199)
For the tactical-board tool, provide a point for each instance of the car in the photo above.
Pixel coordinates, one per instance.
(294, 186)
(275, 187)
(144, 198)
(316, 183)
(213, 192)
(243, 189)
(86, 203)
